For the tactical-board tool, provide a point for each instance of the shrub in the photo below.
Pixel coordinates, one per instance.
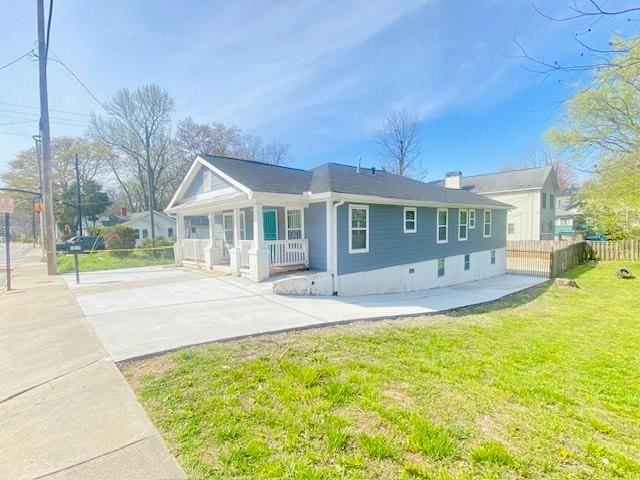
(163, 243)
(492, 452)
(120, 238)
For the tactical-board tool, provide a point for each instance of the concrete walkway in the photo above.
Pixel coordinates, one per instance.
(138, 312)
(65, 409)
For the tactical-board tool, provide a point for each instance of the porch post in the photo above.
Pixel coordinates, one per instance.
(258, 255)
(177, 247)
(212, 253)
(234, 253)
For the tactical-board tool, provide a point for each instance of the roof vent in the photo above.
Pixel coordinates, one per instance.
(373, 170)
(453, 180)
(358, 165)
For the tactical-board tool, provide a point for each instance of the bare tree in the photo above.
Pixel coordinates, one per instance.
(538, 157)
(398, 142)
(137, 127)
(587, 15)
(218, 139)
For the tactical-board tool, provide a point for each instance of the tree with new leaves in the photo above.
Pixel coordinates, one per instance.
(137, 126)
(600, 133)
(398, 143)
(94, 202)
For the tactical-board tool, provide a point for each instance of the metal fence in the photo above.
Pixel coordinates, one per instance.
(544, 258)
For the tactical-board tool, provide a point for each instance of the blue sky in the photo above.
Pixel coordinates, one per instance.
(318, 75)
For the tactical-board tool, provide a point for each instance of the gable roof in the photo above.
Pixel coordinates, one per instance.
(262, 177)
(337, 178)
(509, 180)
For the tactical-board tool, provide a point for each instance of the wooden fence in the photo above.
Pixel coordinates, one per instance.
(617, 250)
(544, 258)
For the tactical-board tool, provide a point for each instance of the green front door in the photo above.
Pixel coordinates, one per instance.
(270, 221)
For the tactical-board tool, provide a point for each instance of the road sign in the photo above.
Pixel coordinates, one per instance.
(6, 205)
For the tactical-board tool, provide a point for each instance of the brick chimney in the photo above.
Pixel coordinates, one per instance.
(453, 180)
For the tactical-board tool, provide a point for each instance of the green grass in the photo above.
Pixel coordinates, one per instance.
(91, 262)
(544, 384)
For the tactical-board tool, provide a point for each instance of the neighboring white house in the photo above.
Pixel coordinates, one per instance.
(531, 191)
(140, 222)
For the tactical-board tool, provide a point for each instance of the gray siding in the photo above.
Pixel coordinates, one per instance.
(389, 245)
(315, 229)
(197, 184)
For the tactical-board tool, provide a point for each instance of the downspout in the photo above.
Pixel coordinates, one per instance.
(334, 224)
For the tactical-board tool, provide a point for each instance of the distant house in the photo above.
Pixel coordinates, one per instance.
(140, 222)
(531, 191)
(360, 229)
(567, 212)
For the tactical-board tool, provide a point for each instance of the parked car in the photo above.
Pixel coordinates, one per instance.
(88, 243)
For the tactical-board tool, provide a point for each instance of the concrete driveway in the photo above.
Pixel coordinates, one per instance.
(142, 311)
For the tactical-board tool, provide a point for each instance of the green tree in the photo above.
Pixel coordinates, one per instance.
(603, 118)
(94, 201)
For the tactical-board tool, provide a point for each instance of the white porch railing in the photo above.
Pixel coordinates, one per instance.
(193, 249)
(244, 246)
(288, 252)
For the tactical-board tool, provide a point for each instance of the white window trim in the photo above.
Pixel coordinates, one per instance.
(484, 223)
(366, 209)
(472, 213)
(415, 219)
(445, 225)
(286, 216)
(461, 239)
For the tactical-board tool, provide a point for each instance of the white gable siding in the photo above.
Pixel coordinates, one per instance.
(525, 216)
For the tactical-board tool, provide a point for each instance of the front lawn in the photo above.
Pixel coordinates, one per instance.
(545, 384)
(91, 262)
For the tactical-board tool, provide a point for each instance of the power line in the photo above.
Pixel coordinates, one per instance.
(18, 105)
(16, 59)
(80, 82)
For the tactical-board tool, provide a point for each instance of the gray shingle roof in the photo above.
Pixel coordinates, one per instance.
(263, 177)
(334, 177)
(526, 178)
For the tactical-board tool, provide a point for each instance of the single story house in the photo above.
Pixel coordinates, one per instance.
(530, 191)
(140, 222)
(360, 230)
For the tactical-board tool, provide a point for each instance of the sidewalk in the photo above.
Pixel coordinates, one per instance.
(65, 409)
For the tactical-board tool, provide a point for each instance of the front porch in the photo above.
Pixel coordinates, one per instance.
(252, 241)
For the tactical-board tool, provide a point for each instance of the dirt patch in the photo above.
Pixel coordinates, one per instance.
(133, 371)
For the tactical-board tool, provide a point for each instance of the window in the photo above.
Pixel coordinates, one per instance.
(169, 232)
(544, 200)
(207, 181)
(511, 228)
(441, 267)
(294, 224)
(493, 257)
(243, 231)
(145, 233)
(472, 219)
(193, 229)
(136, 233)
(463, 224)
(467, 261)
(552, 201)
(410, 220)
(487, 224)
(359, 228)
(443, 221)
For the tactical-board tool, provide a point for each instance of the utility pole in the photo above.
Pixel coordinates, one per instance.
(47, 187)
(79, 192)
